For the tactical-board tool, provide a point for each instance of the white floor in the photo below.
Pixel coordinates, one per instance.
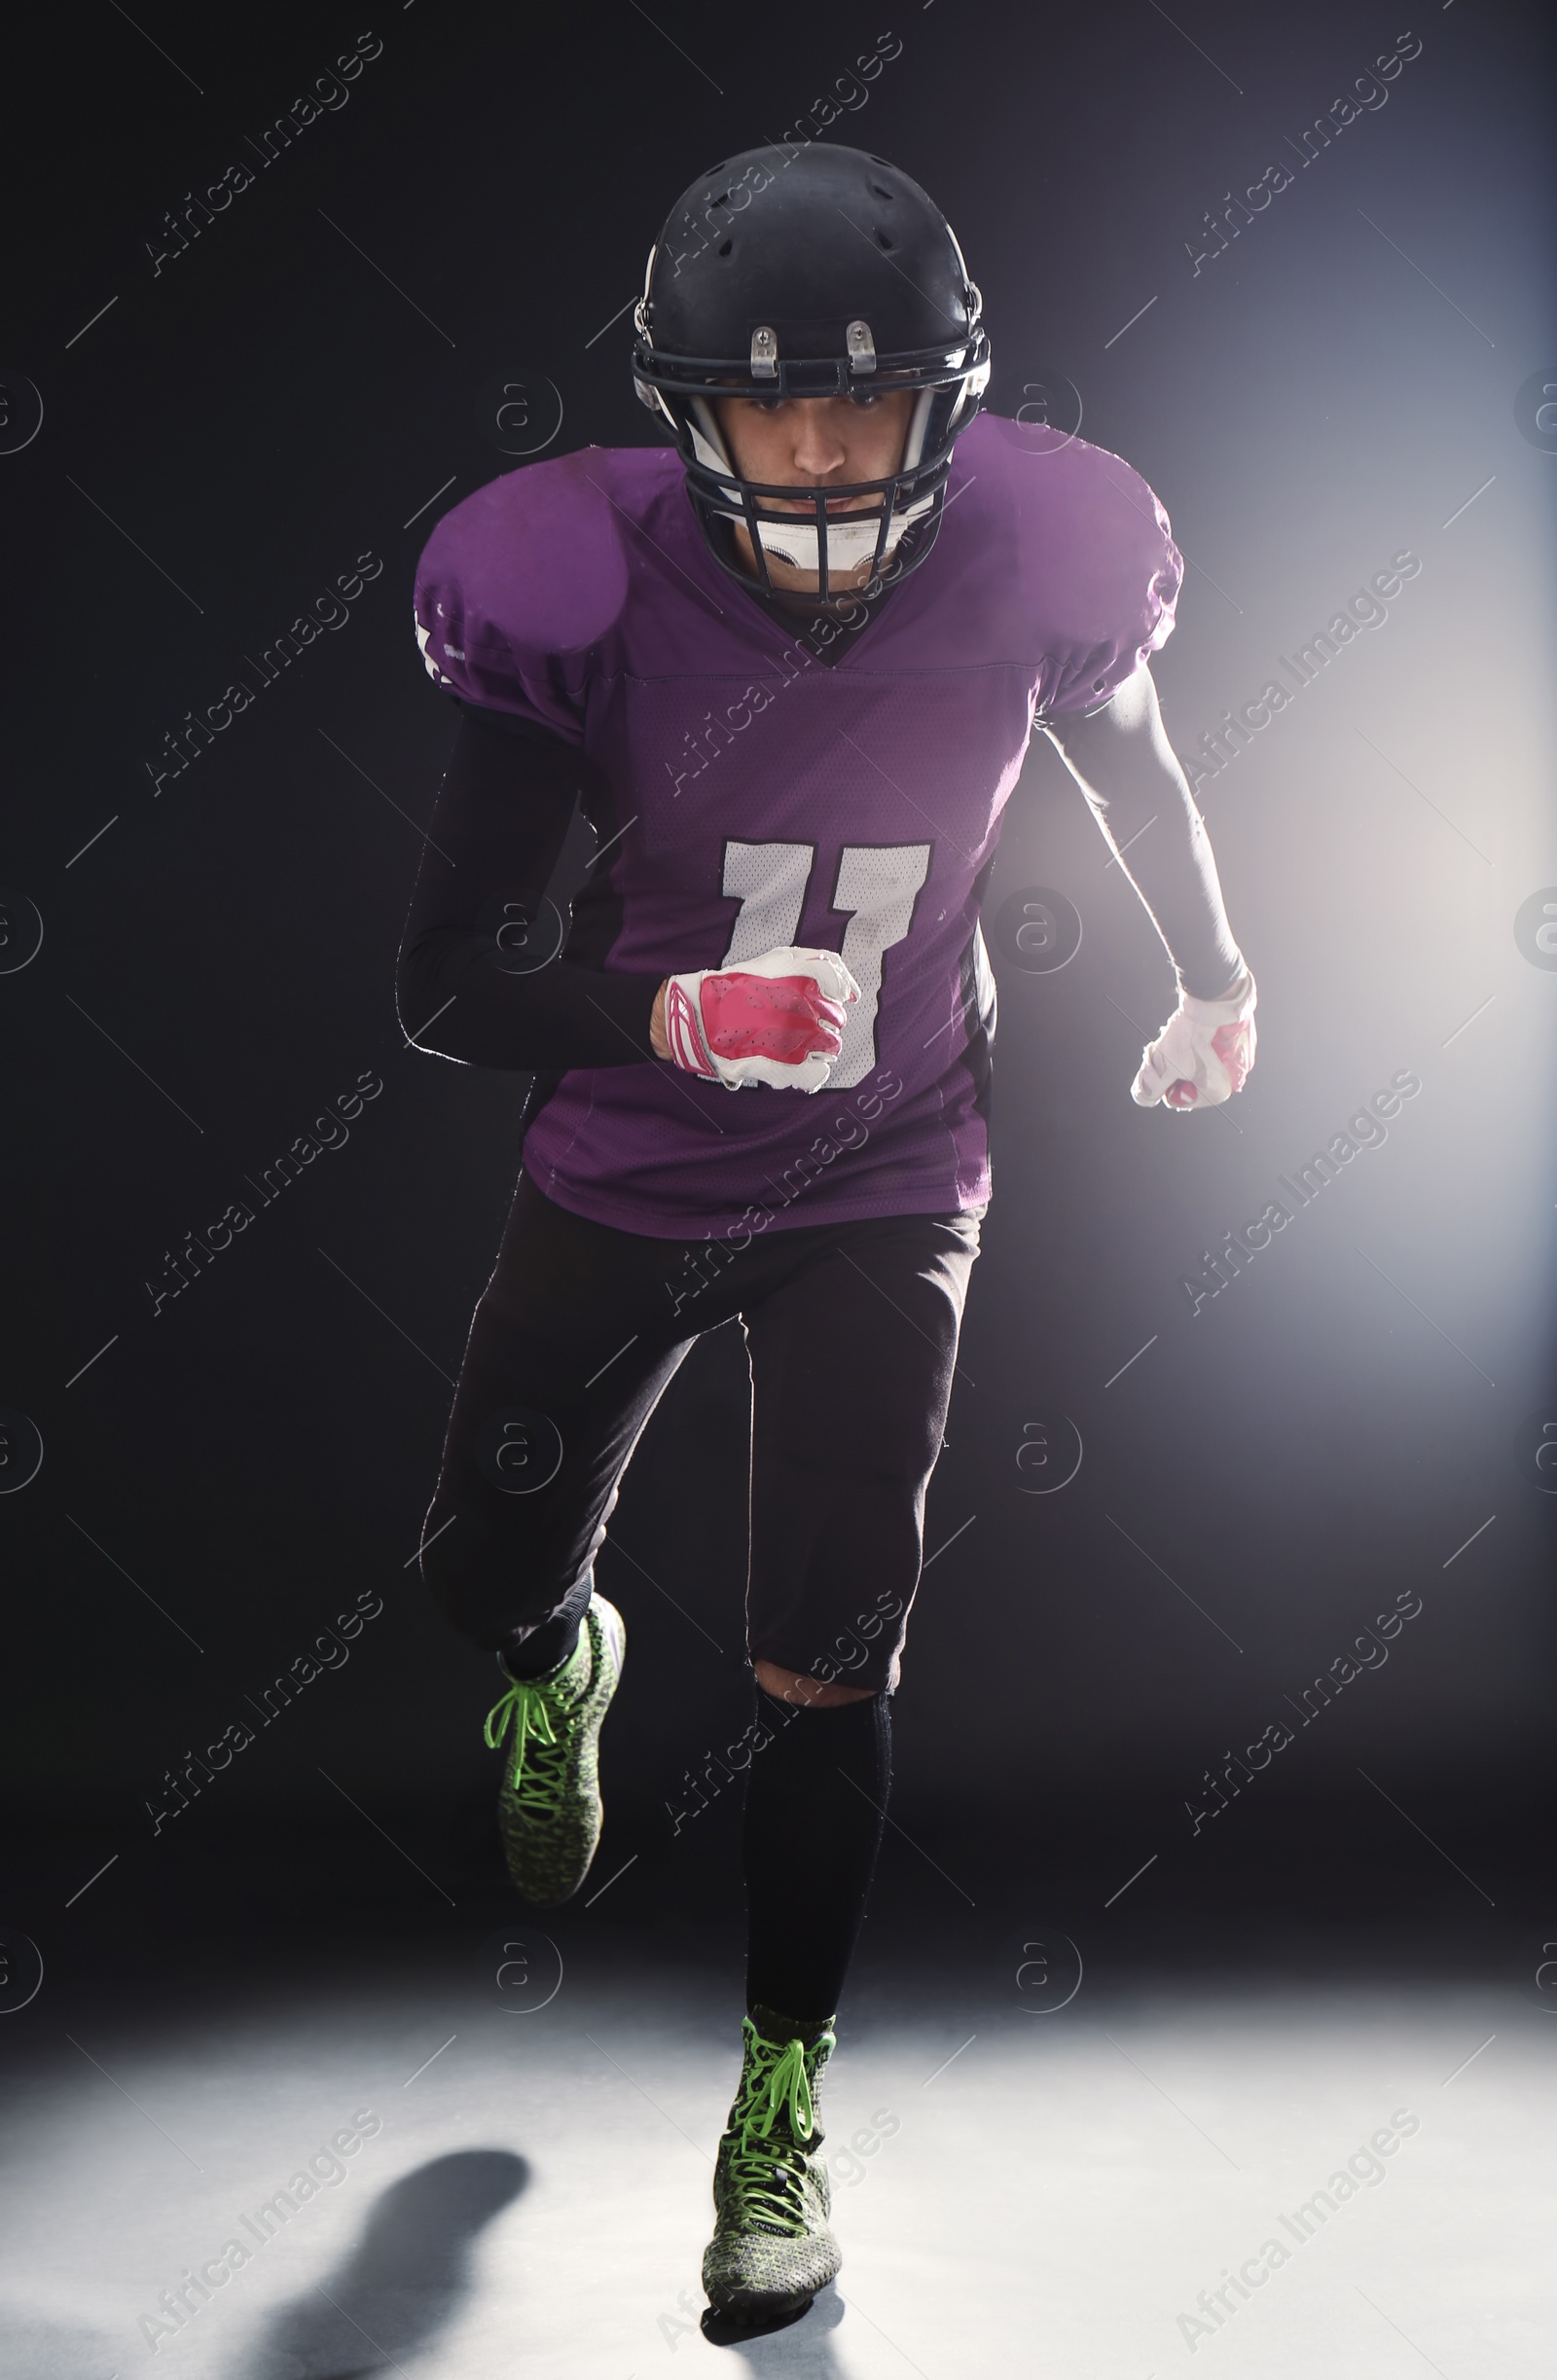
(1050, 2202)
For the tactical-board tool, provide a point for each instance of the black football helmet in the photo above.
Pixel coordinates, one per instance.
(810, 272)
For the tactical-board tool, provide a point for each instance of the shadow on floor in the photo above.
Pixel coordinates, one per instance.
(800, 2350)
(405, 2281)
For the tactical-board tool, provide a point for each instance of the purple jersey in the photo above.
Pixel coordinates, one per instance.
(765, 797)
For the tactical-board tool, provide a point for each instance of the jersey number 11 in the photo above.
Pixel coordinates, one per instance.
(876, 883)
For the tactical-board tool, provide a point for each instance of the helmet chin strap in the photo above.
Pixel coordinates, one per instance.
(851, 541)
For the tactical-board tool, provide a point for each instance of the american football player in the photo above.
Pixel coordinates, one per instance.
(789, 662)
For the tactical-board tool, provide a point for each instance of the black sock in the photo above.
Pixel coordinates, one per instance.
(545, 1648)
(809, 1845)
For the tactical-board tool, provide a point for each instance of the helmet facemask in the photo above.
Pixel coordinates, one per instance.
(832, 544)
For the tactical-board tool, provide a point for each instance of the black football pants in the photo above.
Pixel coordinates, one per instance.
(852, 1330)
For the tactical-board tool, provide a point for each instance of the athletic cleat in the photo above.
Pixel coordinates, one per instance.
(549, 1811)
(772, 2249)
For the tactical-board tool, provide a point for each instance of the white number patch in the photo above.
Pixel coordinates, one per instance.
(878, 885)
(768, 880)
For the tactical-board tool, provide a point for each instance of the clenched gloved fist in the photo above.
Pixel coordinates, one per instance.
(778, 1020)
(1203, 1053)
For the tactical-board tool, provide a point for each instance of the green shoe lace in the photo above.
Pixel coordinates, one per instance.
(533, 1777)
(766, 2176)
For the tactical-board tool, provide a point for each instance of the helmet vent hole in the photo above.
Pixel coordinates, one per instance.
(725, 246)
(882, 240)
(878, 193)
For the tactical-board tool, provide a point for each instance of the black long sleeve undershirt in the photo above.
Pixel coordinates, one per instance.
(496, 834)
(1122, 760)
(1175, 875)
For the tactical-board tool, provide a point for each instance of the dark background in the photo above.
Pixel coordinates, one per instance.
(238, 427)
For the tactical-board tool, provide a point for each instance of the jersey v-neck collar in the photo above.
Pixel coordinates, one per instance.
(802, 629)
(805, 628)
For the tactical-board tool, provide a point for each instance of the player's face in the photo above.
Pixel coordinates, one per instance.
(814, 442)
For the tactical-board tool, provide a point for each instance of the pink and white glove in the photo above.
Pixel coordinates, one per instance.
(778, 1020)
(1204, 1053)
